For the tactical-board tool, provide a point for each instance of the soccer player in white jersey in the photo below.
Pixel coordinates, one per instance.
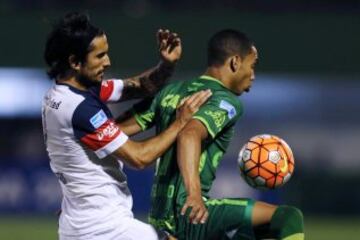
(85, 144)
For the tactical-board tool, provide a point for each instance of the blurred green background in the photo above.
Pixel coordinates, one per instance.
(306, 91)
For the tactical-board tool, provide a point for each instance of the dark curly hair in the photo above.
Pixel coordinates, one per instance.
(226, 43)
(72, 35)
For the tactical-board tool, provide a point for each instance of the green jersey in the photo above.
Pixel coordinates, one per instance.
(219, 115)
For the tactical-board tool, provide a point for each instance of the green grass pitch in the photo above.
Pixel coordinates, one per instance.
(45, 228)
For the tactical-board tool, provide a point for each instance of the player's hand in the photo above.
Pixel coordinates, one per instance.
(169, 46)
(199, 212)
(190, 105)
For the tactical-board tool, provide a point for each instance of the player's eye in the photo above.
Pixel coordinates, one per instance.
(101, 55)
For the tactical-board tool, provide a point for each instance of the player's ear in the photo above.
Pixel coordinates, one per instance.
(235, 63)
(74, 63)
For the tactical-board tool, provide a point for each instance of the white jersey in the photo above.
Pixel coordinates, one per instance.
(80, 134)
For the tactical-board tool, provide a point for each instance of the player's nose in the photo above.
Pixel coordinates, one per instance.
(107, 62)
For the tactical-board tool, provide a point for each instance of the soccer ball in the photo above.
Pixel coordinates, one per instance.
(266, 162)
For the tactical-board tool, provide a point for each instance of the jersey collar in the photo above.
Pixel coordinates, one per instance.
(206, 77)
(73, 89)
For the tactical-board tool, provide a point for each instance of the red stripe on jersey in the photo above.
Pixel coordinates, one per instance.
(107, 88)
(102, 136)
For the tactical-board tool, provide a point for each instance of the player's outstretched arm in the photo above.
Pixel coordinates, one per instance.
(142, 154)
(188, 158)
(129, 125)
(152, 80)
(127, 121)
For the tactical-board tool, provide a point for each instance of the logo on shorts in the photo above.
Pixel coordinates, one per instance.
(98, 119)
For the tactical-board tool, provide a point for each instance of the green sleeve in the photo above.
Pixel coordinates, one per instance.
(218, 113)
(144, 112)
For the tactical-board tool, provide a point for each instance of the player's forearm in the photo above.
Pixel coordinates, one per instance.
(158, 77)
(151, 149)
(188, 157)
(149, 82)
(127, 121)
(128, 124)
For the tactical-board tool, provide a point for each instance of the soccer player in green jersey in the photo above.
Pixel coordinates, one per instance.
(185, 173)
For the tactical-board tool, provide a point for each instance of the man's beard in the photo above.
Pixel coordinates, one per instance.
(87, 82)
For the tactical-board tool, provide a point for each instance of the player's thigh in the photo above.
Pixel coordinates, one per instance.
(226, 216)
(262, 213)
(136, 229)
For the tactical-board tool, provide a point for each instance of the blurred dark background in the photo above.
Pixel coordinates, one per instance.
(307, 91)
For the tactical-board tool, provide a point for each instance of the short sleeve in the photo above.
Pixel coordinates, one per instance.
(95, 128)
(218, 113)
(111, 90)
(145, 112)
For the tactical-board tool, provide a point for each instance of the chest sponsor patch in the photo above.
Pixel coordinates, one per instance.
(228, 107)
(98, 119)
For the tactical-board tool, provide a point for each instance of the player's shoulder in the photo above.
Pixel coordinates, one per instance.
(89, 106)
(227, 99)
(90, 110)
(219, 91)
(172, 92)
(62, 99)
(186, 85)
(65, 93)
(173, 86)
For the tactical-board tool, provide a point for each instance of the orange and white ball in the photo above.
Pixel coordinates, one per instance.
(266, 162)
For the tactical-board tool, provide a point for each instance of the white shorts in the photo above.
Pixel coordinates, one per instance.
(133, 229)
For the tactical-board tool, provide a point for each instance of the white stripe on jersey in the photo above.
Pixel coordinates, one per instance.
(112, 146)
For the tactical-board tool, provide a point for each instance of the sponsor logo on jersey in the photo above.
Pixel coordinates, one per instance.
(219, 117)
(170, 101)
(108, 132)
(228, 107)
(98, 119)
(53, 103)
(148, 117)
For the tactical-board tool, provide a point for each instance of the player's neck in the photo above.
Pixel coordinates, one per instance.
(72, 81)
(219, 74)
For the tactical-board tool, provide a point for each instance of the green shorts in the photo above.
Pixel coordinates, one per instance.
(229, 218)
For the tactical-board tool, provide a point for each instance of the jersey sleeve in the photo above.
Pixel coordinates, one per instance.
(145, 112)
(218, 113)
(97, 130)
(111, 90)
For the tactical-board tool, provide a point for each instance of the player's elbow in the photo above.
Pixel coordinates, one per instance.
(132, 154)
(139, 162)
(186, 134)
(139, 166)
(193, 131)
(136, 163)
